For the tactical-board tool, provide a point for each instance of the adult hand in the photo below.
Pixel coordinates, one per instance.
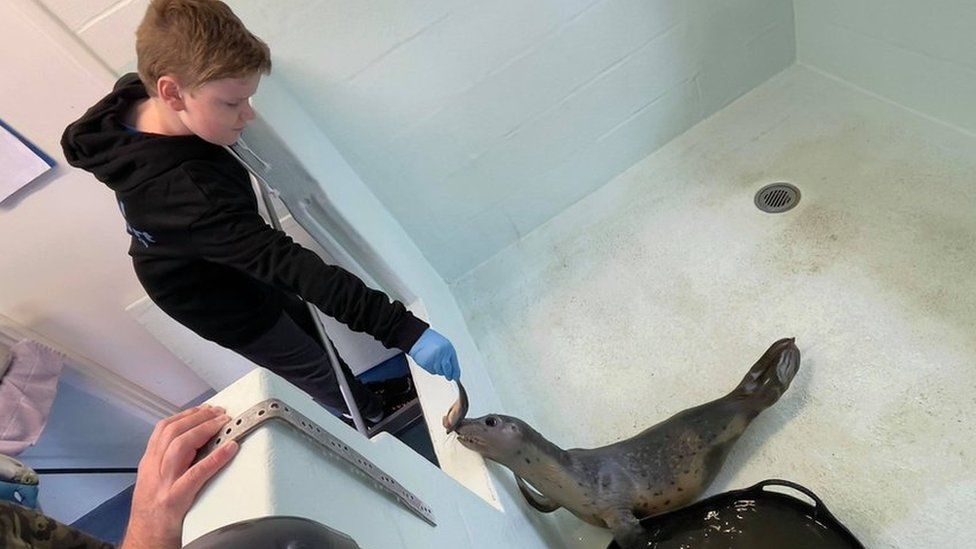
(434, 353)
(167, 482)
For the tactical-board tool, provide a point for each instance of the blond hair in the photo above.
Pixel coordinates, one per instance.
(196, 41)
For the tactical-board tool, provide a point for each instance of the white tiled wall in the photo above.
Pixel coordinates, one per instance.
(113, 34)
(493, 117)
(919, 54)
(475, 122)
(76, 15)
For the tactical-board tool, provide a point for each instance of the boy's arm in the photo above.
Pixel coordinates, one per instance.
(234, 235)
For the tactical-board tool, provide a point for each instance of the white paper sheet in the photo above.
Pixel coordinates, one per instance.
(19, 163)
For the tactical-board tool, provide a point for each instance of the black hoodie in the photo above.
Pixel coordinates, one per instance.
(199, 246)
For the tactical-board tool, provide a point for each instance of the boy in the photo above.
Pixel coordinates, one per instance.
(199, 247)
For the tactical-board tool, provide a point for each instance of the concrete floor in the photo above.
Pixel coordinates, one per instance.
(658, 291)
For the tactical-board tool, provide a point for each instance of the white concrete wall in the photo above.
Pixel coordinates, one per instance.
(919, 54)
(64, 272)
(475, 122)
(277, 472)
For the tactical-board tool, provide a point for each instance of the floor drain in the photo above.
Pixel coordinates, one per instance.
(778, 197)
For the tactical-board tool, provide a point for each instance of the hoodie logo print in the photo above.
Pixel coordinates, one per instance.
(143, 237)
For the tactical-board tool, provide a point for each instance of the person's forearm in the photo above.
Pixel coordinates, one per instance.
(137, 537)
(239, 238)
(168, 481)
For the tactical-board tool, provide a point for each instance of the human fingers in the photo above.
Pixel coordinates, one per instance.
(187, 486)
(161, 434)
(444, 365)
(455, 368)
(182, 423)
(183, 449)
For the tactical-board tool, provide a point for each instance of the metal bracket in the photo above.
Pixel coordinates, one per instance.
(241, 426)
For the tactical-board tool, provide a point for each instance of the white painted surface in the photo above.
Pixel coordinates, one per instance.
(657, 292)
(64, 271)
(77, 15)
(277, 472)
(112, 34)
(217, 366)
(475, 122)
(919, 54)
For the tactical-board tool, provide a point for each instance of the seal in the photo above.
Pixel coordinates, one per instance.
(662, 468)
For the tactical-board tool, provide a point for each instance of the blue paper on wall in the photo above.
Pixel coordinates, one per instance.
(20, 161)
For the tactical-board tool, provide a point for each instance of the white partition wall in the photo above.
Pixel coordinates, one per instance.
(279, 472)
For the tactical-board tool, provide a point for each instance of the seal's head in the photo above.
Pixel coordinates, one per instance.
(494, 436)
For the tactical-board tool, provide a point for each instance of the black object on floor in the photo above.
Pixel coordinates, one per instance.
(395, 393)
(268, 532)
(752, 518)
(404, 416)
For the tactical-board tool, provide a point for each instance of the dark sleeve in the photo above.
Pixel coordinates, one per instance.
(21, 527)
(232, 233)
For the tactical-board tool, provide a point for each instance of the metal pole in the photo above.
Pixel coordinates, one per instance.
(344, 388)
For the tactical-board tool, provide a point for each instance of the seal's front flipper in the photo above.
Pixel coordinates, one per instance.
(535, 499)
(627, 530)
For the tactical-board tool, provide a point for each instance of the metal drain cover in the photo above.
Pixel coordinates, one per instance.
(777, 197)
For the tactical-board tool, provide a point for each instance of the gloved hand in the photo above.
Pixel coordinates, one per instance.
(434, 353)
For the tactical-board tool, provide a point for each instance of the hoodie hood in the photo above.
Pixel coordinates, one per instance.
(100, 143)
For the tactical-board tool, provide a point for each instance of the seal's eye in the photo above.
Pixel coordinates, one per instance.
(491, 422)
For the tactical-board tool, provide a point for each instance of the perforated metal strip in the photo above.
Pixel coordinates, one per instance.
(239, 427)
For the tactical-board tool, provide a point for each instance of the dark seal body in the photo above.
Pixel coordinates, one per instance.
(664, 467)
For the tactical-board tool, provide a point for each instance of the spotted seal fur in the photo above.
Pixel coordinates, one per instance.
(664, 467)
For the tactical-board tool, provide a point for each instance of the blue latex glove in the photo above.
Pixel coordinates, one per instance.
(434, 353)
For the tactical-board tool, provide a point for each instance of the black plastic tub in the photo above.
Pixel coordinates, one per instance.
(753, 518)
